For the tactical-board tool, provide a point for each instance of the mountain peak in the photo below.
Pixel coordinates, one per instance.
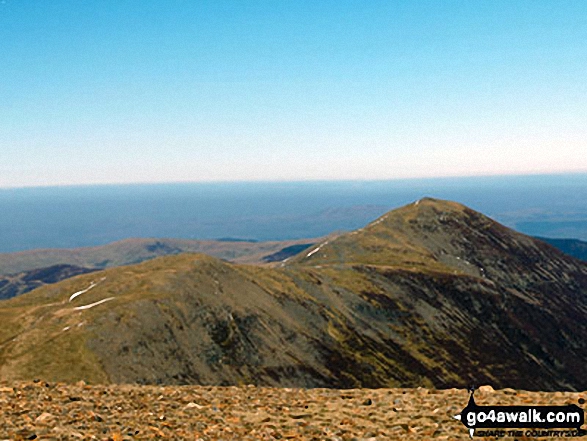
(408, 237)
(434, 235)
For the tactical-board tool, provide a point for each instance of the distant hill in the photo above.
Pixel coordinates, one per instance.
(572, 247)
(431, 294)
(131, 251)
(125, 252)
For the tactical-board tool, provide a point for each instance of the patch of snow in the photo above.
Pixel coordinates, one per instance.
(313, 251)
(83, 291)
(66, 328)
(91, 305)
(316, 249)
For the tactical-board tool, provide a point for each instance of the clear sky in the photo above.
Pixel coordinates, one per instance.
(103, 91)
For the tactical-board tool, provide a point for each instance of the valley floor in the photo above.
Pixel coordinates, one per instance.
(55, 411)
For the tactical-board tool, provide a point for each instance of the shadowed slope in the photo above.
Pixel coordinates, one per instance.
(573, 247)
(16, 284)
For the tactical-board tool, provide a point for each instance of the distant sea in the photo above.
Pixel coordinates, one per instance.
(66, 217)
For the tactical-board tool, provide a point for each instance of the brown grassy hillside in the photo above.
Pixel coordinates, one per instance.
(432, 294)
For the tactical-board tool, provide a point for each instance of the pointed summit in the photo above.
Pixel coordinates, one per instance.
(432, 235)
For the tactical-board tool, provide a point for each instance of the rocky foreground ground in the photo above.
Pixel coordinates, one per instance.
(54, 411)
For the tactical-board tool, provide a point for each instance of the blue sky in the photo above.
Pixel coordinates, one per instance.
(156, 91)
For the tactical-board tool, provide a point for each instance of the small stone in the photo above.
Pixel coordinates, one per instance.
(486, 389)
(367, 402)
(301, 415)
(43, 418)
(193, 405)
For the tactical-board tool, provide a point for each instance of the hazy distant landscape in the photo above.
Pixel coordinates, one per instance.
(70, 217)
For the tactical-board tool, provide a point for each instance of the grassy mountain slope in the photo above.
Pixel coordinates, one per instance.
(432, 294)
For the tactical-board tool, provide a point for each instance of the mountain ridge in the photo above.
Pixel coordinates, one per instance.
(401, 302)
(136, 250)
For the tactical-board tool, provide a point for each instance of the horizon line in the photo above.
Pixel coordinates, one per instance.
(295, 181)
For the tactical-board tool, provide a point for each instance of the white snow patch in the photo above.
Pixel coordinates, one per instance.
(316, 249)
(78, 293)
(312, 252)
(91, 305)
(66, 328)
(83, 291)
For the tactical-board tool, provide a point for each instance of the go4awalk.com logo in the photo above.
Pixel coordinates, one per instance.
(527, 421)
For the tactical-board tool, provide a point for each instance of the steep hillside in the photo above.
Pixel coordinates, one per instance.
(432, 294)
